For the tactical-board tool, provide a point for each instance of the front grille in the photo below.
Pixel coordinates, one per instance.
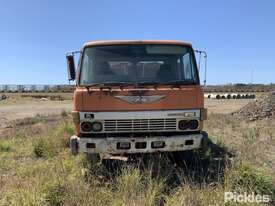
(140, 125)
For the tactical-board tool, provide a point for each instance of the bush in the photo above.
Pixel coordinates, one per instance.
(54, 142)
(43, 148)
(4, 147)
(64, 113)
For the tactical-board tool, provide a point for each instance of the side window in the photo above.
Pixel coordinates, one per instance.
(86, 70)
(188, 73)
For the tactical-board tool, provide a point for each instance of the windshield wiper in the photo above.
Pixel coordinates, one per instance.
(118, 83)
(147, 83)
(94, 85)
(108, 85)
(102, 84)
(176, 82)
(179, 82)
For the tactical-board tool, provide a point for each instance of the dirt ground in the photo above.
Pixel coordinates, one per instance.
(225, 106)
(29, 109)
(12, 110)
(18, 107)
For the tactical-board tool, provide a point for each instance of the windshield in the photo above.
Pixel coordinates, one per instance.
(138, 64)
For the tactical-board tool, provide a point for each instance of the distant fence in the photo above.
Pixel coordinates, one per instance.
(239, 88)
(70, 88)
(35, 88)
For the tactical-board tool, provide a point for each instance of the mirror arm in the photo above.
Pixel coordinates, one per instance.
(73, 53)
(205, 57)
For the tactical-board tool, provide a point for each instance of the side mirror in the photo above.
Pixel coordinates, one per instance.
(205, 63)
(70, 67)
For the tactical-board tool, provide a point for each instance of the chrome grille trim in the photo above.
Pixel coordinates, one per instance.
(135, 125)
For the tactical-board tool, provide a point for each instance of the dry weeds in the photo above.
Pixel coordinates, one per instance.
(36, 168)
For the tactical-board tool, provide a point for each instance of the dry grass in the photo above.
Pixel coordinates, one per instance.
(253, 142)
(38, 169)
(15, 98)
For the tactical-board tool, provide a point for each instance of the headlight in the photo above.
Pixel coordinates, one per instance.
(188, 124)
(91, 126)
(183, 124)
(193, 124)
(96, 126)
(86, 126)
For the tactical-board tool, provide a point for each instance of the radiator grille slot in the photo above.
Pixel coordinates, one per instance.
(140, 125)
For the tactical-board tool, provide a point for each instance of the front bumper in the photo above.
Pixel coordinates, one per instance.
(136, 145)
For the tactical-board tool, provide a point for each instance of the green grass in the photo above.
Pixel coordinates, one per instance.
(245, 178)
(5, 147)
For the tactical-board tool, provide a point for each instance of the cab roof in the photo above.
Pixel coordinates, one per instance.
(135, 42)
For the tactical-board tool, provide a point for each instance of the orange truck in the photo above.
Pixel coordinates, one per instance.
(136, 97)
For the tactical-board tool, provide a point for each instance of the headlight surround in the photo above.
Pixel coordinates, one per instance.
(91, 126)
(188, 124)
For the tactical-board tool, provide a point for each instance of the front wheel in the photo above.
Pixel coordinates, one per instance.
(205, 143)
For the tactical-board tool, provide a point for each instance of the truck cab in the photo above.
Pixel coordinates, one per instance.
(136, 97)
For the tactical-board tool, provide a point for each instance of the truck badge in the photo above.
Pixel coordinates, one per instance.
(141, 99)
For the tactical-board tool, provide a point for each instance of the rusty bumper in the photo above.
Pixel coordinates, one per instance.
(124, 145)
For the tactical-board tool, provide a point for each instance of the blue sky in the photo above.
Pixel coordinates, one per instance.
(239, 35)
